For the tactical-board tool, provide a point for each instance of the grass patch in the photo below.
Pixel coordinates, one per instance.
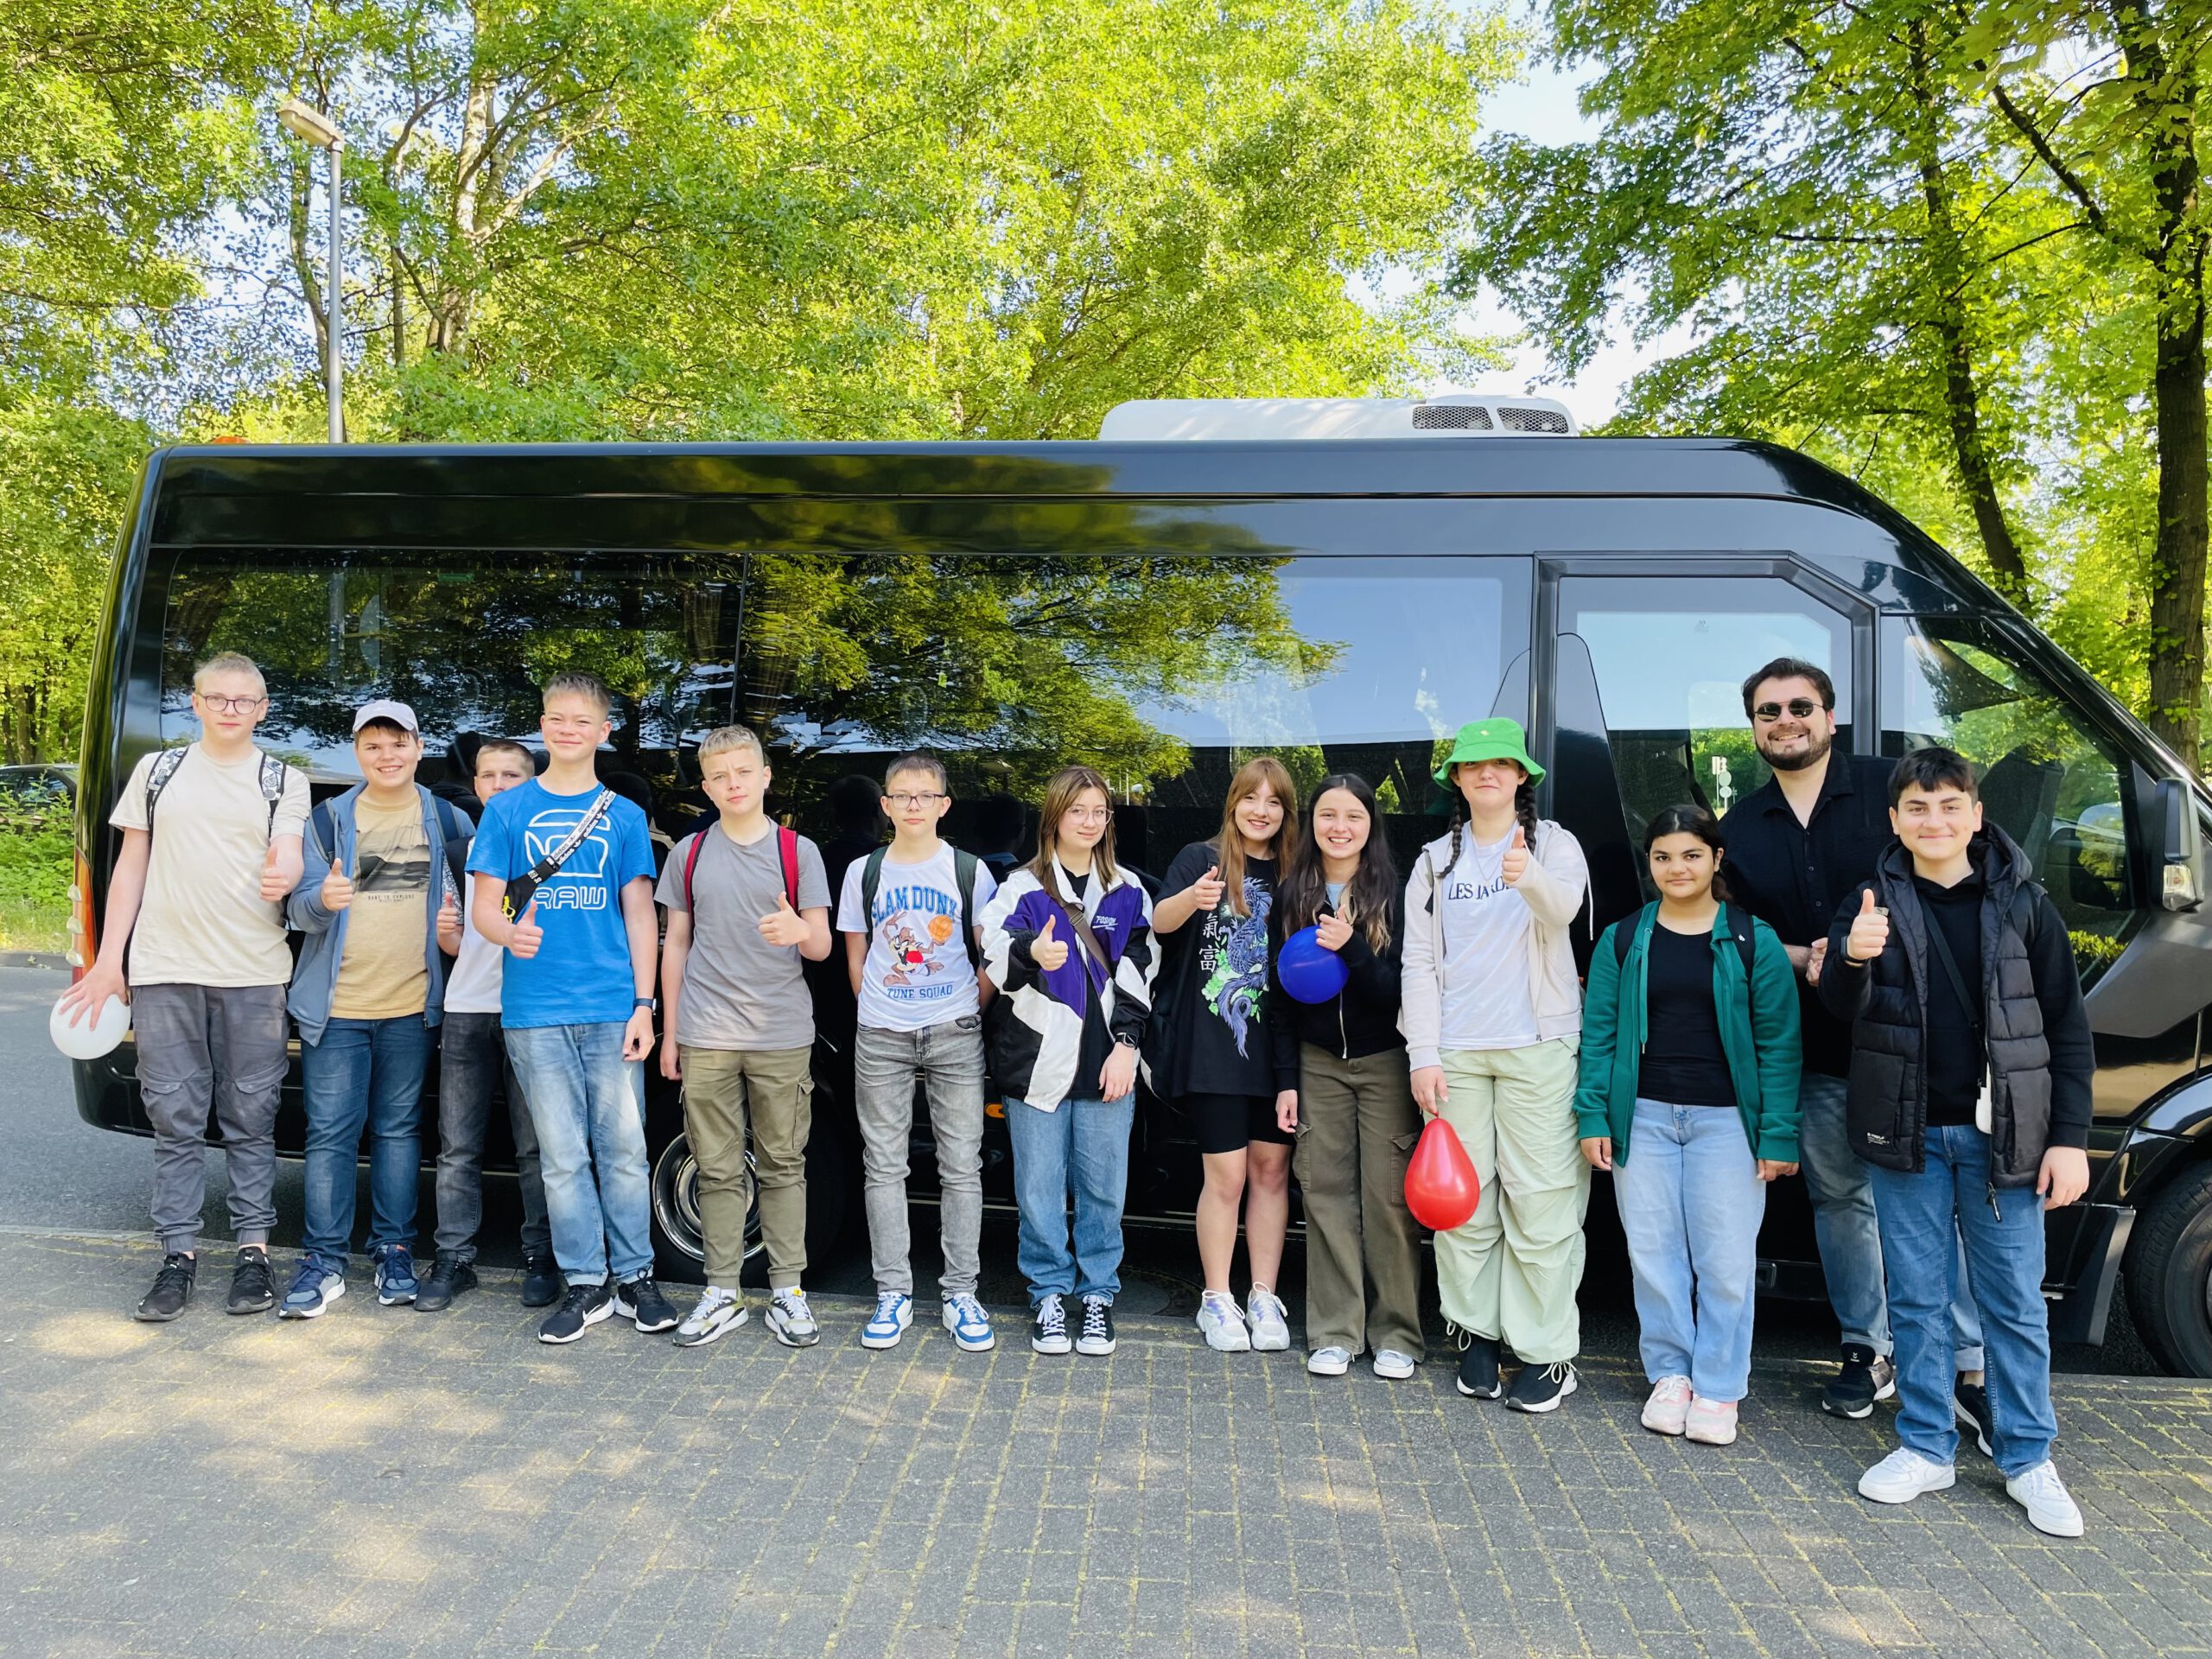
(37, 862)
(28, 927)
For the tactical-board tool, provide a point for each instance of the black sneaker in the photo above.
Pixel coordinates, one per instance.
(1541, 1388)
(1970, 1405)
(172, 1289)
(448, 1276)
(1097, 1336)
(253, 1287)
(640, 1299)
(1865, 1379)
(541, 1281)
(1478, 1369)
(1048, 1333)
(581, 1305)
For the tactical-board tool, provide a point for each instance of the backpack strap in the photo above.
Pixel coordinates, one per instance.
(787, 851)
(871, 879)
(691, 864)
(457, 832)
(272, 787)
(323, 824)
(1746, 946)
(157, 778)
(964, 866)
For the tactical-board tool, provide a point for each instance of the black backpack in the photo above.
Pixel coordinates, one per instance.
(964, 877)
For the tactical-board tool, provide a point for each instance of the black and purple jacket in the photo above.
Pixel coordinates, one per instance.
(1037, 1040)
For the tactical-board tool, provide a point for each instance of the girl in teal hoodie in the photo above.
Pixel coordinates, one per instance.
(1690, 1052)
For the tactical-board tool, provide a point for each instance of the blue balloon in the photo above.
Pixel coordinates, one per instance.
(1308, 970)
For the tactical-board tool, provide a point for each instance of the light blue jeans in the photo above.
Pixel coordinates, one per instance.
(1083, 1146)
(1951, 1198)
(1691, 1202)
(1850, 1239)
(587, 1104)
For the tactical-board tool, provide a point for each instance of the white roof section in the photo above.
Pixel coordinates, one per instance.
(1457, 415)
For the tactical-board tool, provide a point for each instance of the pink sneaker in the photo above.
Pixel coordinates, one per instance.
(1712, 1422)
(1669, 1408)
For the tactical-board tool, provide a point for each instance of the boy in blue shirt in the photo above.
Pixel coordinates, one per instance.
(576, 861)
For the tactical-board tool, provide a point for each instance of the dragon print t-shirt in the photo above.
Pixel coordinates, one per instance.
(1220, 1014)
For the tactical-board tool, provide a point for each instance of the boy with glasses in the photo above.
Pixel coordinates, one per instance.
(908, 912)
(200, 907)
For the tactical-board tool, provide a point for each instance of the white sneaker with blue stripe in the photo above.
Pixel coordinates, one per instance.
(894, 1312)
(969, 1324)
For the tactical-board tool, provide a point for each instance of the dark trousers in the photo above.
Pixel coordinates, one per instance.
(472, 1064)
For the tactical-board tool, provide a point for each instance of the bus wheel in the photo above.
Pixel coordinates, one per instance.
(2170, 1274)
(679, 1236)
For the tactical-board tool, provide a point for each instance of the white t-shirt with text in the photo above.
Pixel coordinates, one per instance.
(1487, 929)
(917, 973)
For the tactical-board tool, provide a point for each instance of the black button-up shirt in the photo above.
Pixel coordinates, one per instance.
(1793, 875)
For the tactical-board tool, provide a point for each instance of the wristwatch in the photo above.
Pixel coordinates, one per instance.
(1122, 1040)
(652, 1005)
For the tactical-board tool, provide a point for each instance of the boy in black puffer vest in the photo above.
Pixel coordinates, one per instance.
(1969, 1096)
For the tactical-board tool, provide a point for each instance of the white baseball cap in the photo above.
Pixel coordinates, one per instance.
(385, 709)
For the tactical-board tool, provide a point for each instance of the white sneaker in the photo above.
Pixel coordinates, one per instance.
(1668, 1408)
(1904, 1475)
(1224, 1323)
(716, 1313)
(1392, 1366)
(1271, 1323)
(2051, 1507)
(791, 1321)
(1710, 1422)
(1328, 1362)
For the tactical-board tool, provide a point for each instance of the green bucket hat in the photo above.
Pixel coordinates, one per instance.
(1496, 739)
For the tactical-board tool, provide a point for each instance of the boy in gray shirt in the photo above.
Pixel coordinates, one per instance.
(746, 899)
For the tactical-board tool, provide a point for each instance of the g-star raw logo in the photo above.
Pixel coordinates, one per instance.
(580, 883)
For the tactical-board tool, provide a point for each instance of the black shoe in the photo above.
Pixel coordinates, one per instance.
(541, 1281)
(253, 1287)
(1478, 1369)
(1097, 1336)
(1865, 1379)
(640, 1299)
(1970, 1405)
(448, 1276)
(1048, 1332)
(582, 1306)
(172, 1289)
(1541, 1388)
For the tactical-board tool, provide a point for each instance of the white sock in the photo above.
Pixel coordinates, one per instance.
(717, 1290)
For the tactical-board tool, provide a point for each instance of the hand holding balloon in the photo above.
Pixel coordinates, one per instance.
(1308, 970)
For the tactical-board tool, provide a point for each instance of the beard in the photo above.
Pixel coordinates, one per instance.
(1812, 753)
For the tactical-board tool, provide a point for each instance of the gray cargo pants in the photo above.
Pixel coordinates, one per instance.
(206, 1049)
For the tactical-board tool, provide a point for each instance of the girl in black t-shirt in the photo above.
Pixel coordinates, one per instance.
(1216, 1063)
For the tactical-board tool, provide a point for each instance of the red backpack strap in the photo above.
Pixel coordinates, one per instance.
(692, 863)
(787, 846)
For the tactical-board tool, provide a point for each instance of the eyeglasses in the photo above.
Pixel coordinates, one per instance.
(231, 705)
(1090, 814)
(1798, 708)
(908, 802)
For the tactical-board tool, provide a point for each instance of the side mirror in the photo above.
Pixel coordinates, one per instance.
(2181, 847)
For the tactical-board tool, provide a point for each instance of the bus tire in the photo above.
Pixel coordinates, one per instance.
(679, 1242)
(2170, 1274)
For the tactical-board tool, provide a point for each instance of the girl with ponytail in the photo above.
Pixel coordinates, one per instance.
(1493, 1016)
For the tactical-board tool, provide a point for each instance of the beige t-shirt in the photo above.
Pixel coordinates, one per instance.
(203, 921)
(383, 973)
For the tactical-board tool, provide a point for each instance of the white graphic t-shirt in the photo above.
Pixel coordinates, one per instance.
(917, 973)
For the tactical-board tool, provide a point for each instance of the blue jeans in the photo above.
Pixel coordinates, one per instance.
(588, 1106)
(1085, 1145)
(1849, 1238)
(1691, 1202)
(363, 1071)
(1951, 1197)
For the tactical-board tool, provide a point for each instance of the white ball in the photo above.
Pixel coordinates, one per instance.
(94, 1034)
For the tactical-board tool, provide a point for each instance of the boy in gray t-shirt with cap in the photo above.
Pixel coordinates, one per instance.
(746, 898)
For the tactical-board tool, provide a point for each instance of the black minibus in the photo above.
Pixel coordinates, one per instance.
(1162, 610)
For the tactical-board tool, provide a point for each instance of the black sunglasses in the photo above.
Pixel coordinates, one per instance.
(1799, 708)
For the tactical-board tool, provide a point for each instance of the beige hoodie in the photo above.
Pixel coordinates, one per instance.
(1553, 886)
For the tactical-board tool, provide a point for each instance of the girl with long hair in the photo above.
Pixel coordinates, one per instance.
(1067, 940)
(1690, 1049)
(1211, 1053)
(1493, 1016)
(1343, 1087)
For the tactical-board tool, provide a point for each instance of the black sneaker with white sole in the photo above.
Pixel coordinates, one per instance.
(1048, 1331)
(1478, 1369)
(581, 1307)
(1865, 1377)
(639, 1300)
(253, 1287)
(1097, 1336)
(172, 1289)
(1970, 1405)
(1541, 1388)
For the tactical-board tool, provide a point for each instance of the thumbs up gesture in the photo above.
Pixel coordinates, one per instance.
(1515, 864)
(1870, 930)
(782, 925)
(274, 885)
(1207, 890)
(337, 888)
(449, 925)
(1333, 931)
(1047, 952)
(528, 935)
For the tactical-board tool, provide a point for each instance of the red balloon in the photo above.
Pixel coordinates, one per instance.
(1442, 1187)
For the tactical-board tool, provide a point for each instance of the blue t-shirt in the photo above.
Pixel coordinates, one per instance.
(580, 974)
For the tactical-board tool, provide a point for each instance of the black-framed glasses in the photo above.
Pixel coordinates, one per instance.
(1797, 708)
(231, 705)
(910, 802)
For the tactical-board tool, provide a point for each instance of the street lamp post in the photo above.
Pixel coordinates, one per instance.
(311, 125)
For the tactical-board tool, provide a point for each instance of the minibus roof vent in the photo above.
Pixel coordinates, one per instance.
(1457, 415)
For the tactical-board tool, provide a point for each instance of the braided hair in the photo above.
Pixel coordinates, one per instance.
(1524, 812)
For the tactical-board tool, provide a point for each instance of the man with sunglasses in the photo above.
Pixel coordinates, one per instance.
(1796, 847)
(199, 905)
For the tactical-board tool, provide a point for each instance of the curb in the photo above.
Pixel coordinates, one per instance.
(34, 959)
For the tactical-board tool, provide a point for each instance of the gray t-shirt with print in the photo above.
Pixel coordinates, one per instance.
(739, 991)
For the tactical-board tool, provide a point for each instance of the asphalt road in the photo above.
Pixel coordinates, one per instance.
(58, 1174)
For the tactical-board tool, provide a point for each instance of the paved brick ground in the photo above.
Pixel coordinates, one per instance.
(385, 1483)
